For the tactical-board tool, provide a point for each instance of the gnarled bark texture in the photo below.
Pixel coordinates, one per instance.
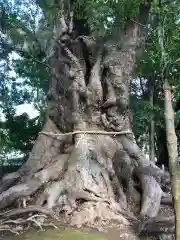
(96, 173)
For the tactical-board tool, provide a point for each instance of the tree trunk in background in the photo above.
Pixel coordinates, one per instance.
(85, 165)
(170, 128)
(161, 142)
(173, 154)
(152, 123)
(162, 151)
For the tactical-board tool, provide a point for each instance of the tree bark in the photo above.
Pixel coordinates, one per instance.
(173, 154)
(152, 123)
(170, 128)
(77, 167)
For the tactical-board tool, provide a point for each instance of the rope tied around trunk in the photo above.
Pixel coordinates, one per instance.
(86, 132)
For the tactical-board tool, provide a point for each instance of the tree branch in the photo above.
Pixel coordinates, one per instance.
(18, 50)
(141, 85)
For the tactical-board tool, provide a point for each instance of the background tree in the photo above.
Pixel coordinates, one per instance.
(149, 70)
(169, 120)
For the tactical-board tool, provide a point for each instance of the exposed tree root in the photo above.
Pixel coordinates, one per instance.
(157, 226)
(15, 212)
(8, 181)
(82, 187)
(8, 228)
(20, 224)
(167, 200)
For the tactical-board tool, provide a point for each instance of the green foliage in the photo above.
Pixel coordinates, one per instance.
(22, 131)
(23, 78)
(35, 75)
(102, 15)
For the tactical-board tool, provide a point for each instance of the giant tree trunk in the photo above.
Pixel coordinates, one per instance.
(85, 164)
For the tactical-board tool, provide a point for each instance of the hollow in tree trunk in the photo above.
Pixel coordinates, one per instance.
(85, 164)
